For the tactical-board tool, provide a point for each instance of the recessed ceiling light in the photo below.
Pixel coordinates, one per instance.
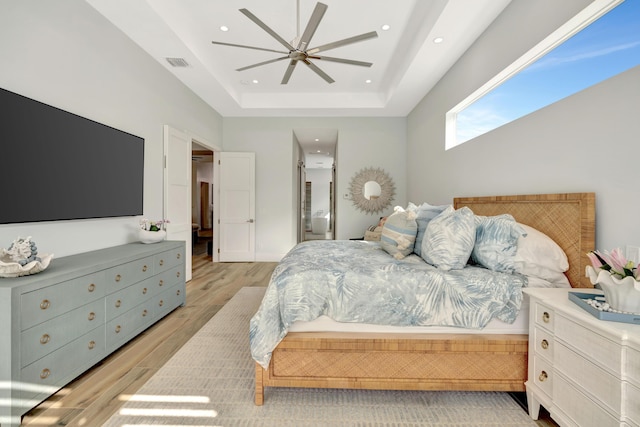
(224, 28)
(317, 139)
(438, 40)
(368, 81)
(255, 81)
(385, 27)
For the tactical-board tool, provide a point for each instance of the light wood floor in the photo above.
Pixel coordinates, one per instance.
(96, 395)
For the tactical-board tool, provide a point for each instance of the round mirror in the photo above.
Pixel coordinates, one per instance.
(372, 190)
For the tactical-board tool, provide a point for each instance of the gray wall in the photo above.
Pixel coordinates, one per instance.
(586, 142)
(65, 54)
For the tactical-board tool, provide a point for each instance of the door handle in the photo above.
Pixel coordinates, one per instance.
(250, 221)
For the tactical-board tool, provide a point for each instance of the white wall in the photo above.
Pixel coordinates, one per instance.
(587, 142)
(362, 142)
(65, 54)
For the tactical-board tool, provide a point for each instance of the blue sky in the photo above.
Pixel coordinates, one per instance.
(605, 48)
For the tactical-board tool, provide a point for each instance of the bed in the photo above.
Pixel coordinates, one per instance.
(459, 360)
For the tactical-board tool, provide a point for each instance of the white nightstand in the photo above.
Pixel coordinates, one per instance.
(585, 371)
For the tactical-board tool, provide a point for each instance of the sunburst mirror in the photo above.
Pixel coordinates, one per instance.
(372, 190)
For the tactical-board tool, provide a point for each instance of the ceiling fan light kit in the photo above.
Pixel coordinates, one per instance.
(300, 53)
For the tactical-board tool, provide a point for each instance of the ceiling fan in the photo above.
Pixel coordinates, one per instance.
(301, 52)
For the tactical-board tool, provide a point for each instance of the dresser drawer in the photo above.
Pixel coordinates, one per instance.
(44, 338)
(573, 404)
(169, 300)
(169, 278)
(129, 297)
(544, 316)
(543, 343)
(631, 370)
(129, 324)
(542, 374)
(601, 385)
(67, 361)
(168, 259)
(127, 274)
(602, 351)
(46, 303)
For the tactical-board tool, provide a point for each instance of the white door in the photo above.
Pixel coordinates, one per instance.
(237, 207)
(177, 189)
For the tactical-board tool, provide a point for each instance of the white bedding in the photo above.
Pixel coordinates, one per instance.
(495, 326)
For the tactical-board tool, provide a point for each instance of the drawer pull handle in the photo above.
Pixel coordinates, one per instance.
(161, 282)
(45, 339)
(45, 373)
(161, 303)
(177, 274)
(178, 256)
(118, 277)
(92, 316)
(144, 291)
(118, 303)
(161, 262)
(45, 304)
(544, 344)
(546, 317)
(144, 313)
(92, 345)
(543, 376)
(92, 287)
(118, 327)
(178, 292)
(144, 268)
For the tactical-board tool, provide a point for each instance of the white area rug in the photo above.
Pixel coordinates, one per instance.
(209, 382)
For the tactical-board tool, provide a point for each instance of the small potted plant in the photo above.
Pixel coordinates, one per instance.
(152, 231)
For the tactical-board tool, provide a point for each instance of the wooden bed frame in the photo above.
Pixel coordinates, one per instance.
(437, 361)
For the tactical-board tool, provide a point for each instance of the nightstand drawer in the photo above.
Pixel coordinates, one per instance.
(632, 366)
(601, 350)
(542, 374)
(544, 344)
(544, 316)
(42, 339)
(631, 402)
(47, 303)
(601, 385)
(575, 405)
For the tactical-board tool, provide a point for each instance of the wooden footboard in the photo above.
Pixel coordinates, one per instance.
(392, 362)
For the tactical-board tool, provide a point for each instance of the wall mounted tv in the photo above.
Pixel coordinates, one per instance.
(55, 165)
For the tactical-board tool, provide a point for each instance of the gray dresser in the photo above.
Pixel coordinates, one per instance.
(57, 324)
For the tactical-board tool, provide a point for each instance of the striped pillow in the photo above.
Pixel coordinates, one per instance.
(399, 233)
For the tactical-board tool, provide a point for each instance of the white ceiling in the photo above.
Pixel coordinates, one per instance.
(406, 61)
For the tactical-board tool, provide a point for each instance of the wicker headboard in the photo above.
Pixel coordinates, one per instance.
(569, 219)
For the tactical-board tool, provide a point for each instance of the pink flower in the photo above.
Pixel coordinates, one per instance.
(595, 261)
(615, 263)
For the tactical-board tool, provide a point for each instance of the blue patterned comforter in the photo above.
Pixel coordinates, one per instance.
(357, 281)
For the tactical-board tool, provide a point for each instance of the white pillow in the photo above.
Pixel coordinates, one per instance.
(539, 256)
(560, 281)
(449, 239)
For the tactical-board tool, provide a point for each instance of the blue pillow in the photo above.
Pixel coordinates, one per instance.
(399, 233)
(449, 239)
(425, 213)
(496, 242)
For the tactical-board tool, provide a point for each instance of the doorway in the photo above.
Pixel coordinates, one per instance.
(202, 196)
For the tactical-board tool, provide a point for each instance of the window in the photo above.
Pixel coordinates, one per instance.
(597, 44)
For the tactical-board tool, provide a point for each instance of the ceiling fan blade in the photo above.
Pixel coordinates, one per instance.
(289, 70)
(318, 71)
(344, 61)
(339, 43)
(265, 27)
(312, 26)
(248, 47)
(262, 63)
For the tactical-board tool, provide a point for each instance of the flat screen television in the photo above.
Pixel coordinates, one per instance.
(55, 165)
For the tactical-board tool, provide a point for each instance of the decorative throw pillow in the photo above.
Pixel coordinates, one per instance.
(425, 213)
(496, 242)
(399, 233)
(449, 239)
(539, 256)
